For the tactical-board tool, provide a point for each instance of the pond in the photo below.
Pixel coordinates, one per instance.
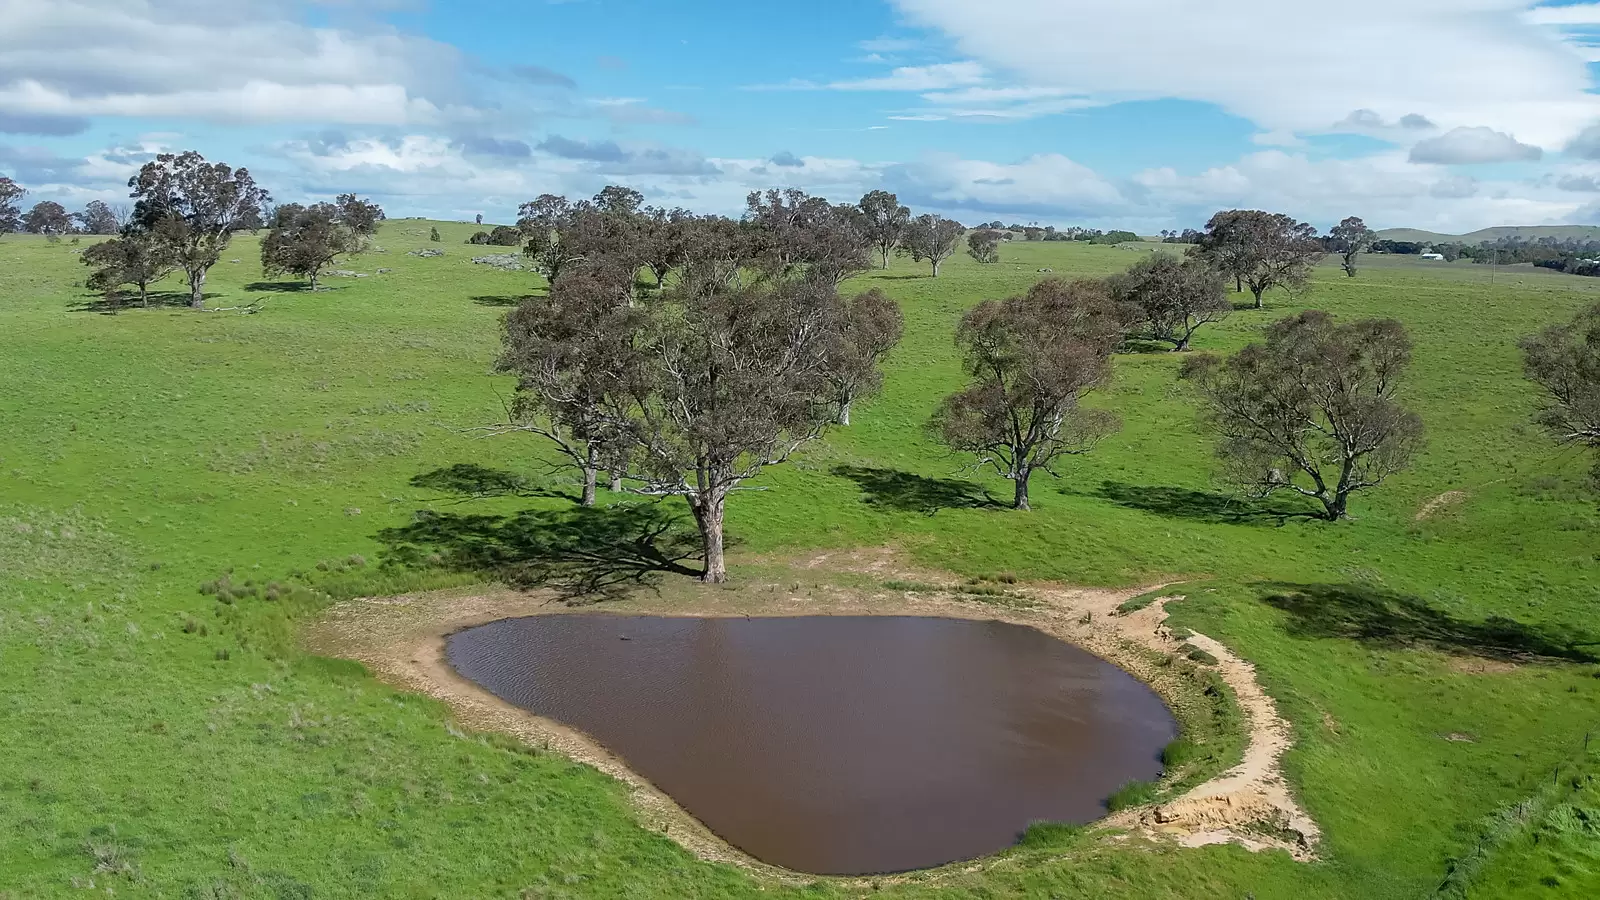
(838, 745)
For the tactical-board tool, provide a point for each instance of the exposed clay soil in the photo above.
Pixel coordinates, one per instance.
(402, 639)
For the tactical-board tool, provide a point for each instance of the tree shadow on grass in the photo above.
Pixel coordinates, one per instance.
(586, 554)
(903, 491)
(470, 481)
(130, 302)
(1394, 620)
(279, 287)
(1200, 506)
(1143, 345)
(493, 300)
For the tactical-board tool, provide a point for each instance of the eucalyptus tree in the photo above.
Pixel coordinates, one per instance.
(884, 221)
(1564, 360)
(304, 240)
(1351, 238)
(1260, 250)
(10, 212)
(931, 238)
(135, 258)
(194, 208)
(1167, 299)
(1030, 361)
(48, 218)
(1314, 409)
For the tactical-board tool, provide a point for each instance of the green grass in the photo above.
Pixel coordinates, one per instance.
(164, 743)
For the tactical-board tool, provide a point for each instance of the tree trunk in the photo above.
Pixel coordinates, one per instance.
(708, 515)
(844, 411)
(313, 282)
(1021, 501)
(1259, 292)
(1238, 284)
(616, 482)
(885, 252)
(197, 289)
(1337, 506)
(936, 268)
(144, 295)
(591, 475)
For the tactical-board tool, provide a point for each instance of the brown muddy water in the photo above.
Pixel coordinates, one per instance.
(838, 745)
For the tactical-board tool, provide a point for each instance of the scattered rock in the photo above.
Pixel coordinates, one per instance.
(346, 273)
(1439, 504)
(427, 252)
(384, 271)
(234, 261)
(1457, 737)
(1047, 271)
(352, 511)
(509, 262)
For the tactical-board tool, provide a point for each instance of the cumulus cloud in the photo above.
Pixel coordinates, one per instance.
(786, 159)
(43, 125)
(488, 146)
(1587, 144)
(241, 61)
(1482, 63)
(1474, 145)
(1047, 184)
(613, 158)
(1579, 183)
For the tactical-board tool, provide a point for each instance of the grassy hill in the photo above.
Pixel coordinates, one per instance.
(160, 742)
(1521, 232)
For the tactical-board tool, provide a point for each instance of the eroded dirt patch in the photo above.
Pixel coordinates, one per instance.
(402, 639)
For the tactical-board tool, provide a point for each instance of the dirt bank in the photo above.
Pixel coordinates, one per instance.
(402, 640)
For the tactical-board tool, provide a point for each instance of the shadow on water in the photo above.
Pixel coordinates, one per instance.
(590, 553)
(1200, 506)
(903, 491)
(1394, 620)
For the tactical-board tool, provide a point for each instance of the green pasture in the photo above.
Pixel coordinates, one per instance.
(1433, 655)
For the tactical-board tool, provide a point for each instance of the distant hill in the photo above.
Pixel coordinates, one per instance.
(1559, 232)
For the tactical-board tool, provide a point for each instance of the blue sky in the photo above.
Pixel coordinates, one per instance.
(1145, 114)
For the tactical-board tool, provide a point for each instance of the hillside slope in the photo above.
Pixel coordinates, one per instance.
(1530, 232)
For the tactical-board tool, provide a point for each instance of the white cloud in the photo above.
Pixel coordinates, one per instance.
(1470, 146)
(1574, 14)
(1292, 67)
(229, 61)
(918, 78)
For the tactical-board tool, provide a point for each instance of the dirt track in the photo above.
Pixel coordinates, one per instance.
(402, 640)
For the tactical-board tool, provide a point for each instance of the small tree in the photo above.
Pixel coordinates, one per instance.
(97, 218)
(48, 218)
(984, 246)
(1260, 250)
(479, 219)
(1031, 360)
(481, 238)
(1350, 239)
(1167, 299)
(797, 232)
(303, 240)
(1565, 361)
(504, 236)
(10, 212)
(931, 238)
(664, 239)
(863, 330)
(543, 221)
(194, 207)
(433, 234)
(884, 221)
(572, 353)
(360, 216)
(736, 378)
(1313, 409)
(135, 258)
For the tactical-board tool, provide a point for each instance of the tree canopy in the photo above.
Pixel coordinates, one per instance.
(304, 240)
(1313, 409)
(884, 221)
(1351, 238)
(1030, 361)
(194, 207)
(931, 238)
(1260, 250)
(1167, 299)
(1564, 360)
